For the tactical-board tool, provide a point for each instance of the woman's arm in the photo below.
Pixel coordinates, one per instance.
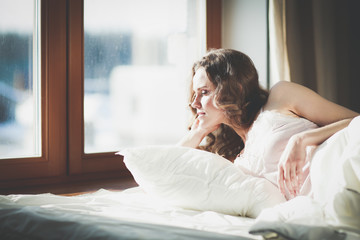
(305, 103)
(196, 134)
(194, 137)
(294, 159)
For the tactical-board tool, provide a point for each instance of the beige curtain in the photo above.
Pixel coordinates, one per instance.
(279, 63)
(319, 42)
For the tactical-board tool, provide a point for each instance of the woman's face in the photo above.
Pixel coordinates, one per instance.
(208, 113)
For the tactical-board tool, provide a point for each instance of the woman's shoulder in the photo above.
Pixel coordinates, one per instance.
(284, 88)
(280, 96)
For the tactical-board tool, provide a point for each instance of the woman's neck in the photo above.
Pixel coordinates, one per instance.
(243, 132)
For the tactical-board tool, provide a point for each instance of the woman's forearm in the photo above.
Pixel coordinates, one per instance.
(294, 157)
(317, 136)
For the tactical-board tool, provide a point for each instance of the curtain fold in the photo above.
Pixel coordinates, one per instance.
(320, 45)
(279, 63)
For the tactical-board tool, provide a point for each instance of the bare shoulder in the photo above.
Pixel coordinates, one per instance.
(292, 98)
(284, 88)
(281, 95)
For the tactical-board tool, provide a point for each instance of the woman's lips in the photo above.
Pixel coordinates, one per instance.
(200, 114)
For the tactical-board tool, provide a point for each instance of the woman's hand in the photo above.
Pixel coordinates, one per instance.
(294, 157)
(196, 134)
(197, 127)
(305, 103)
(290, 167)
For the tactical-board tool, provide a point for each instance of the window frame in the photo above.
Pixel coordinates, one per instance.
(53, 109)
(79, 162)
(62, 63)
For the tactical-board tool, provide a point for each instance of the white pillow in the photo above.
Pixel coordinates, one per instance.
(194, 179)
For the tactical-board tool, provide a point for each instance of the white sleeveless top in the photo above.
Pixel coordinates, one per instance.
(266, 140)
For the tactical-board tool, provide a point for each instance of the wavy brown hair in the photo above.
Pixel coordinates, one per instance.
(237, 92)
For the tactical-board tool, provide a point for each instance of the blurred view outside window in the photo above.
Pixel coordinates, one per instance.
(19, 79)
(138, 59)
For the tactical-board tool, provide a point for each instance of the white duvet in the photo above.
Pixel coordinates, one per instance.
(335, 179)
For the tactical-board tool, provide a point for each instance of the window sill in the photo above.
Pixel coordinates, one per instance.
(69, 187)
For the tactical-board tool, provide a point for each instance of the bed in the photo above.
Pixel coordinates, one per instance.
(130, 214)
(185, 193)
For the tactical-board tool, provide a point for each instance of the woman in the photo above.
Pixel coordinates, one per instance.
(268, 132)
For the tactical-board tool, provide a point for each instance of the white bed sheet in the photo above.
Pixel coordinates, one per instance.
(131, 205)
(131, 214)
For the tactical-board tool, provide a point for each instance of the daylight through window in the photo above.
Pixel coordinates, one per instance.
(20, 121)
(138, 57)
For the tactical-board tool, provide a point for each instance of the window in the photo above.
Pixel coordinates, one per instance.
(136, 62)
(47, 81)
(74, 78)
(140, 51)
(20, 88)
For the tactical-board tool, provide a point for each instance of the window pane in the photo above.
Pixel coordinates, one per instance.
(138, 57)
(19, 79)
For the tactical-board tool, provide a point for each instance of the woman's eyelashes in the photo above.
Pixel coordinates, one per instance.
(204, 92)
(200, 93)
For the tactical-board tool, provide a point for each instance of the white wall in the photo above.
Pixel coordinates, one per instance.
(244, 29)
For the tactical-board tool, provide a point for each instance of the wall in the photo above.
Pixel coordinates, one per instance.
(244, 28)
